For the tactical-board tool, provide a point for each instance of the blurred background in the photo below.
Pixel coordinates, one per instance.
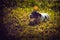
(15, 15)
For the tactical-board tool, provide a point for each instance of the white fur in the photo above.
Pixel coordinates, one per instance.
(43, 16)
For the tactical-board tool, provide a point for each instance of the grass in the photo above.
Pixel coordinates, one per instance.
(20, 19)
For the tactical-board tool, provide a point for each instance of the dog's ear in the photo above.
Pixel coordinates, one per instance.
(31, 16)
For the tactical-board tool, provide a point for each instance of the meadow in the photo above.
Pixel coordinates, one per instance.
(18, 20)
(17, 15)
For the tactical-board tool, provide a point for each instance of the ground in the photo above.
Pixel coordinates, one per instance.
(17, 21)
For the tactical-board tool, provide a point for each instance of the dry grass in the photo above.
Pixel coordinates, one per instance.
(20, 18)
